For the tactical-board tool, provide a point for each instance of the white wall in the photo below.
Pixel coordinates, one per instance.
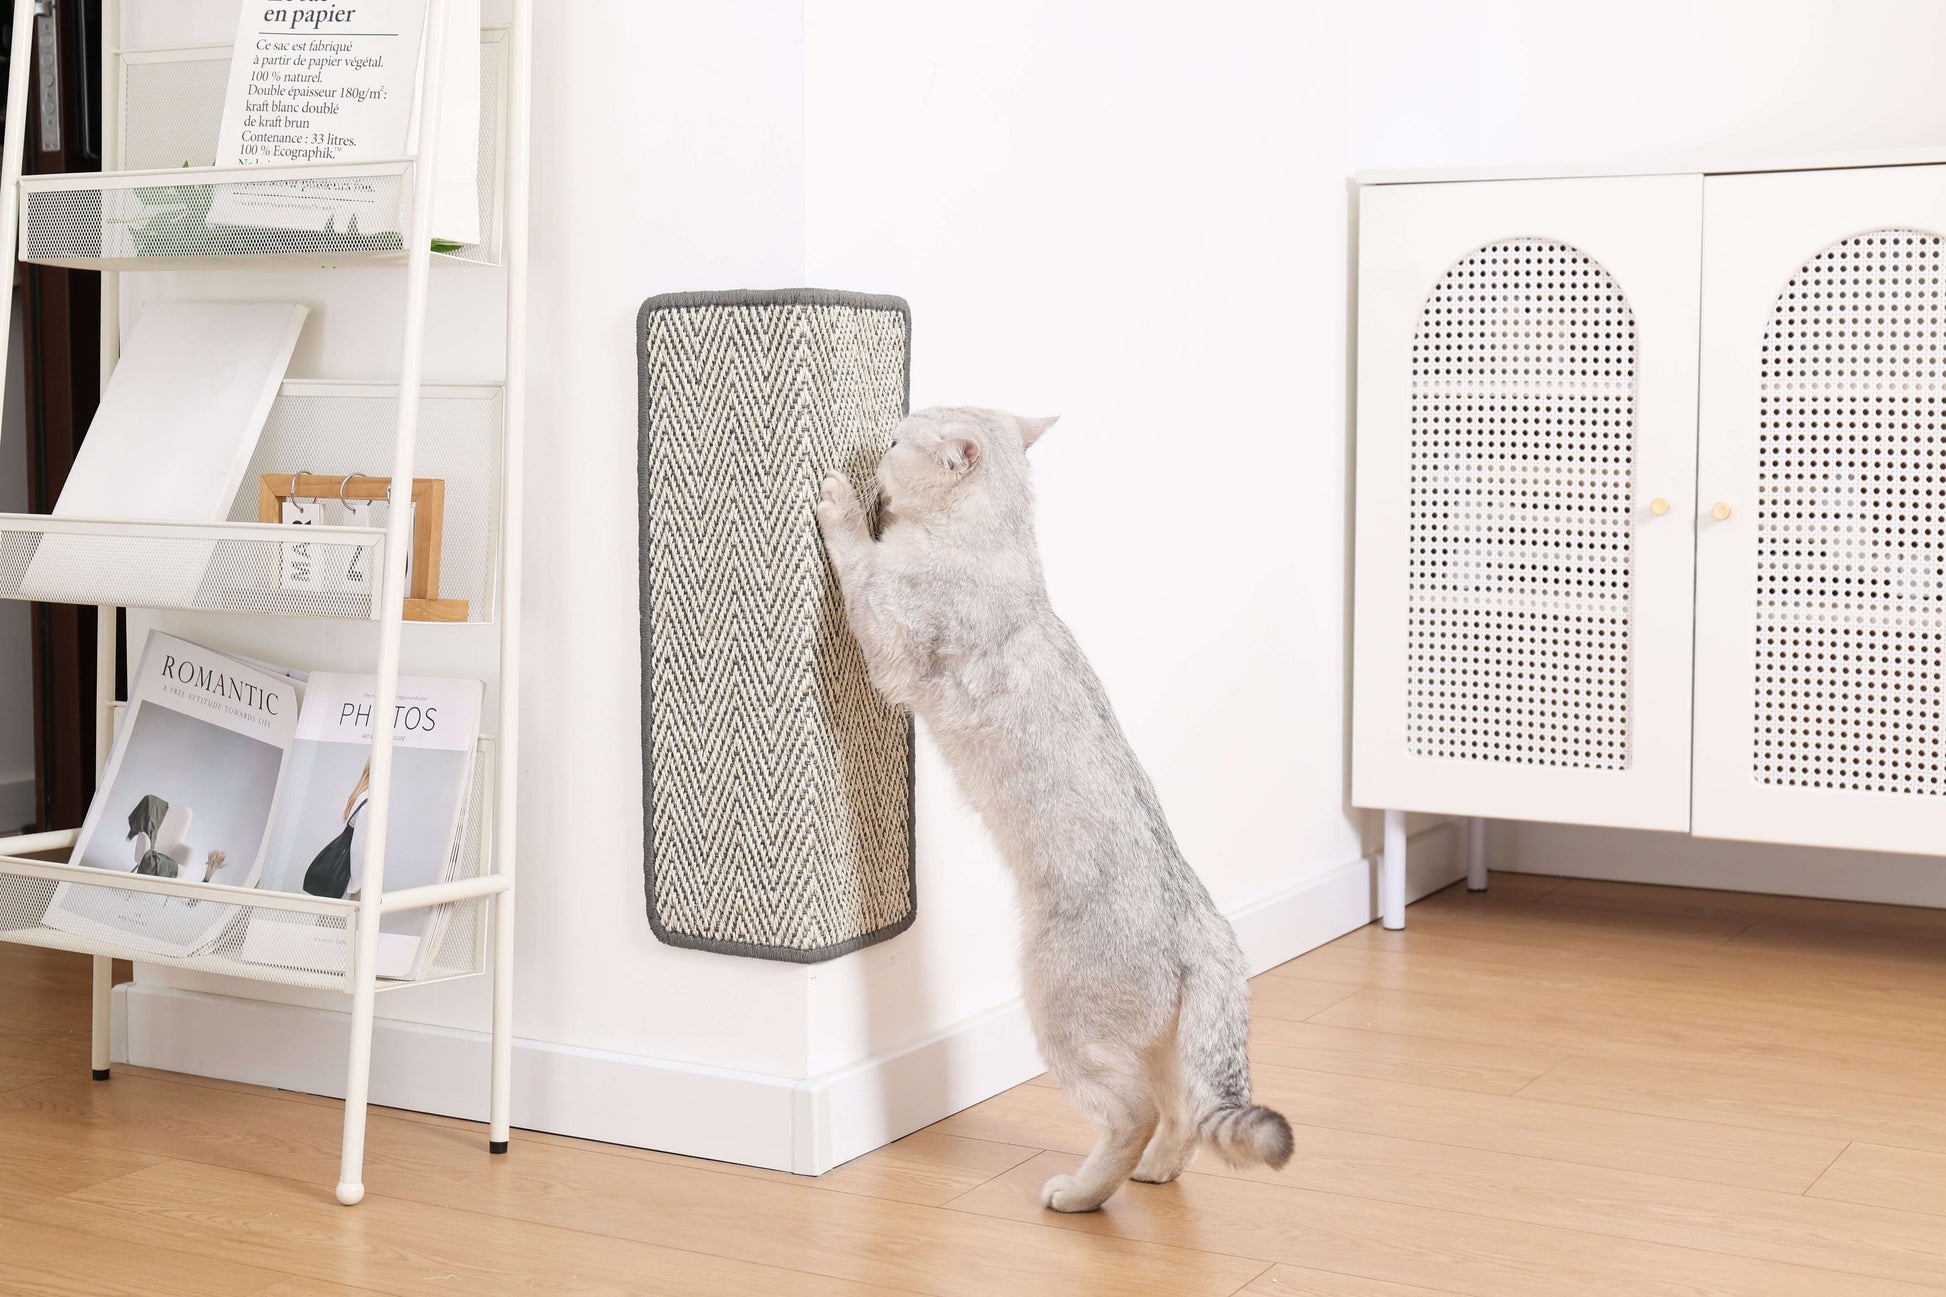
(1131, 214)
(668, 155)
(1115, 215)
(1135, 215)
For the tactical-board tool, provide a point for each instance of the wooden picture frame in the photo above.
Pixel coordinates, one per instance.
(422, 601)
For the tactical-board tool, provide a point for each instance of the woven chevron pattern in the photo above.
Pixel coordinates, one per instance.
(778, 798)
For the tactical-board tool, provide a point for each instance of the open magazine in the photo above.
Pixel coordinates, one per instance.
(188, 793)
(320, 83)
(319, 841)
(232, 771)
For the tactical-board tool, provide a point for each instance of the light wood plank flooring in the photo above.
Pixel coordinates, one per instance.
(1557, 1088)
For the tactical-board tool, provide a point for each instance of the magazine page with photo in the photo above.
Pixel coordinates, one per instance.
(188, 793)
(318, 842)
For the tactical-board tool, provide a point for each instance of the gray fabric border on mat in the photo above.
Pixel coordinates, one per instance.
(750, 297)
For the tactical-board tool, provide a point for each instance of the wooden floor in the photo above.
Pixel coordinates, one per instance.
(1553, 1089)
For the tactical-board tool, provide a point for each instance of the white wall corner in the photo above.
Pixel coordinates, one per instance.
(852, 1110)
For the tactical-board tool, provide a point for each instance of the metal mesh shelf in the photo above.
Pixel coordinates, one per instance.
(334, 428)
(167, 209)
(159, 220)
(224, 567)
(238, 565)
(220, 919)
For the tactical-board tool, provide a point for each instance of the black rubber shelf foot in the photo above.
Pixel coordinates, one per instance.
(496, 1146)
(101, 1074)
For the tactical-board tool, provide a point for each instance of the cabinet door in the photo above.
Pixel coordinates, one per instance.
(1526, 399)
(1821, 597)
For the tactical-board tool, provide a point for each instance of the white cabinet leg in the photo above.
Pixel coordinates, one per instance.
(358, 1079)
(104, 1004)
(1391, 873)
(500, 1098)
(1476, 854)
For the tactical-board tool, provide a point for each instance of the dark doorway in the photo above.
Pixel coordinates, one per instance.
(59, 325)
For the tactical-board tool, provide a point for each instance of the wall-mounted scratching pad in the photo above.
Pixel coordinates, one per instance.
(777, 798)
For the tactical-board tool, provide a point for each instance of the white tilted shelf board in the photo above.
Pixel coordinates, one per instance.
(234, 566)
(28, 885)
(149, 215)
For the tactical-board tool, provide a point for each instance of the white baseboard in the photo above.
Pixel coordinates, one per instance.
(1678, 860)
(1285, 925)
(849, 1112)
(807, 1126)
(677, 1107)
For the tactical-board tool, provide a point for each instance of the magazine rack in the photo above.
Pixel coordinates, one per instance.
(163, 108)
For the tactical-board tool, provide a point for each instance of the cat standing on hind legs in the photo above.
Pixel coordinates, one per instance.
(1135, 983)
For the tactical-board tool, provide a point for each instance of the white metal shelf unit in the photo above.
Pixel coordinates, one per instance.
(309, 415)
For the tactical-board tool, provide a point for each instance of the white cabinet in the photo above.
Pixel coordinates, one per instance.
(1618, 435)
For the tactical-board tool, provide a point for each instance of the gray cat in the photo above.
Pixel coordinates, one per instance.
(1135, 983)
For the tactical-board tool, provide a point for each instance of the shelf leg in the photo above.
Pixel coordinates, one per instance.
(378, 809)
(351, 1166)
(1391, 873)
(105, 654)
(103, 1011)
(1476, 854)
(500, 1097)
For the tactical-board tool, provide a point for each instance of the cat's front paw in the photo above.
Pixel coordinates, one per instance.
(1061, 1194)
(838, 499)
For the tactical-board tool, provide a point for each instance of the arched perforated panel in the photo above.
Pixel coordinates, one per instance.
(1851, 521)
(1523, 445)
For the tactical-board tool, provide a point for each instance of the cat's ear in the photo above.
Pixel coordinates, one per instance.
(959, 455)
(1031, 429)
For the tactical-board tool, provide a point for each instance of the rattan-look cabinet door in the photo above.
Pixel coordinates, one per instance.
(1526, 435)
(1821, 542)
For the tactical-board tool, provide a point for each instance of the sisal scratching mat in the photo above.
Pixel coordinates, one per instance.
(777, 800)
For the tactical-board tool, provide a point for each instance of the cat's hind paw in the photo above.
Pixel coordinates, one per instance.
(1160, 1165)
(1147, 1174)
(1061, 1194)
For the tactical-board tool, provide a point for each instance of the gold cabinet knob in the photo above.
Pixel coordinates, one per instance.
(1720, 511)
(1658, 506)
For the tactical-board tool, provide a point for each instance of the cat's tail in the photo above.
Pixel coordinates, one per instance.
(1249, 1135)
(1213, 1043)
